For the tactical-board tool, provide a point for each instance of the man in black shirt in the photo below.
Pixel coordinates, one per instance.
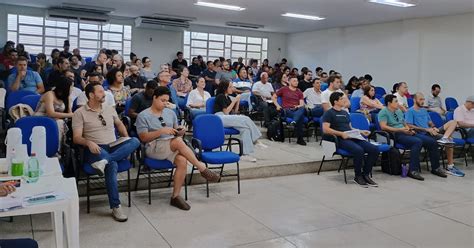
(194, 69)
(135, 81)
(336, 121)
(142, 100)
(306, 82)
(60, 65)
(210, 75)
(65, 53)
(179, 61)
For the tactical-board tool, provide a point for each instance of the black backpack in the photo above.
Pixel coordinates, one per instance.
(275, 131)
(392, 162)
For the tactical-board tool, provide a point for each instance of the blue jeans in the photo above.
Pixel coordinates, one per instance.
(358, 149)
(298, 117)
(181, 102)
(113, 155)
(15, 243)
(196, 112)
(317, 111)
(414, 144)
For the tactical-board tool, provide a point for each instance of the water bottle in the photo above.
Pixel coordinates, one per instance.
(33, 169)
(16, 168)
(404, 170)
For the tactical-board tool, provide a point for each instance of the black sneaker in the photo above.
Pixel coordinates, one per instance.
(359, 180)
(415, 175)
(370, 182)
(439, 172)
(301, 142)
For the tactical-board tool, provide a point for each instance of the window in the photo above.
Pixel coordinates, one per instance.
(212, 46)
(40, 34)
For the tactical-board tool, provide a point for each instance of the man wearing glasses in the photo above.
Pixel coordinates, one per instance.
(94, 127)
(392, 120)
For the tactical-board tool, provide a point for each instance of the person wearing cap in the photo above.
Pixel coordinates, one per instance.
(464, 115)
(65, 53)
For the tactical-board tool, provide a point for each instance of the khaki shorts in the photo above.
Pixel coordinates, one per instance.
(161, 150)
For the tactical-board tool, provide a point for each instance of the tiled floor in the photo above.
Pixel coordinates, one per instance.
(295, 211)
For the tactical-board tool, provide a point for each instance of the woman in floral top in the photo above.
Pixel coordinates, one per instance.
(119, 90)
(182, 85)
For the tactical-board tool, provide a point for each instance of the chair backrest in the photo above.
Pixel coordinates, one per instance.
(26, 125)
(13, 98)
(449, 116)
(359, 121)
(436, 119)
(324, 87)
(280, 101)
(74, 105)
(380, 91)
(451, 103)
(31, 100)
(88, 59)
(128, 104)
(355, 104)
(382, 100)
(376, 123)
(208, 128)
(210, 105)
(410, 102)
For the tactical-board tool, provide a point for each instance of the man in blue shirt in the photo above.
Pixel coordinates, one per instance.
(417, 118)
(24, 79)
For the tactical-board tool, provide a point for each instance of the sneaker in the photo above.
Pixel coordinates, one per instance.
(180, 203)
(261, 145)
(99, 166)
(415, 175)
(210, 176)
(293, 123)
(249, 158)
(370, 182)
(445, 141)
(118, 214)
(439, 172)
(453, 171)
(359, 180)
(301, 142)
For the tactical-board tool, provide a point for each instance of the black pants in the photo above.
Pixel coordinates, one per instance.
(17, 243)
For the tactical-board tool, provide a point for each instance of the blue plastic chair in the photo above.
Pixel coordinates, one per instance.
(26, 125)
(208, 135)
(31, 100)
(451, 103)
(359, 121)
(88, 59)
(355, 104)
(410, 102)
(436, 119)
(380, 91)
(14, 98)
(210, 110)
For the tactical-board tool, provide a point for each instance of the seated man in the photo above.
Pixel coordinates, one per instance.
(263, 92)
(24, 79)
(158, 128)
(135, 81)
(96, 78)
(293, 106)
(434, 102)
(142, 100)
(392, 120)
(337, 121)
(93, 127)
(464, 115)
(334, 85)
(313, 99)
(418, 119)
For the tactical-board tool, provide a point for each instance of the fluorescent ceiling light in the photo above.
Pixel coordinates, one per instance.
(307, 17)
(396, 3)
(219, 6)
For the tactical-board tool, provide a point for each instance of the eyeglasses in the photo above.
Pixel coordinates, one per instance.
(163, 124)
(396, 116)
(101, 118)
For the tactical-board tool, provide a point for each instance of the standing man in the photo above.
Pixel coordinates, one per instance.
(179, 61)
(65, 53)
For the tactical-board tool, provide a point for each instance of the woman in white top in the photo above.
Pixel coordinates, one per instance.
(146, 71)
(399, 91)
(197, 99)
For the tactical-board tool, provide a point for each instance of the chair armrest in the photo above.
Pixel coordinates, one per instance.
(331, 138)
(384, 134)
(239, 143)
(196, 144)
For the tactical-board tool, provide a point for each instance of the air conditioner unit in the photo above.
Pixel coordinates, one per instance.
(164, 22)
(244, 25)
(69, 13)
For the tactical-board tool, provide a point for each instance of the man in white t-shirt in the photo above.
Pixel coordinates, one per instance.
(334, 83)
(313, 99)
(402, 89)
(263, 92)
(95, 77)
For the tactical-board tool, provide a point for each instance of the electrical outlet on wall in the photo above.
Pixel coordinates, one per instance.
(151, 39)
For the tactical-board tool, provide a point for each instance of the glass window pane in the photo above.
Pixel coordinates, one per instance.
(240, 39)
(265, 44)
(239, 47)
(216, 37)
(56, 42)
(89, 35)
(187, 52)
(12, 22)
(32, 40)
(127, 44)
(31, 30)
(199, 36)
(73, 28)
(198, 51)
(216, 53)
(253, 55)
(112, 45)
(33, 49)
(199, 43)
(127, 32)
(56, 32)
(112, 28)
(88, 52)
(216, 45)
(227, 53)
(236, 54)
(264, 55)
(47, 51)
(111, 36)
(253, 48)
(12, 36)
(126, 52)
(186, 38)
(73, 42)
(34, 20)
(89, 26)
(252, 40)
(213, 58)
(89, 44)
(56, 23)
(227, 41)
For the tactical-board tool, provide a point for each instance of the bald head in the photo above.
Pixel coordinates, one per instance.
(419, 100)
(264, 77)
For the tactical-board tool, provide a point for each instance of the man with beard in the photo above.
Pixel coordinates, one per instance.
(135, 81)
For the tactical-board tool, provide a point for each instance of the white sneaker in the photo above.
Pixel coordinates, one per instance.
(260, 145)
(118, 214)
(249, 158)
(99, 166)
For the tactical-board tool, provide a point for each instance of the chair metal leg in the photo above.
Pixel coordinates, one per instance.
(191, 176)
(128, 189)
(340, 166)
(88, 195)
(207, 186)
(149, 186)
(344, 170)
(138, 177)
(238, 178)
(220, 174)
(321, 165)
(185, 189)
(171, 177)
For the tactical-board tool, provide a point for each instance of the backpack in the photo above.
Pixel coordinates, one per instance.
(392, 162)
(275, 131)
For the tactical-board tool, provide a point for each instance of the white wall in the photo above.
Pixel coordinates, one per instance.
(419, 51)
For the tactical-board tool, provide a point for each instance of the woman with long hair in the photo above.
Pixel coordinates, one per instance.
(147, 71)
(352, 85)
(281, 82)
(120, 91)
(226, 108)
(369, 105)
(197, 98)
(182, 85)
